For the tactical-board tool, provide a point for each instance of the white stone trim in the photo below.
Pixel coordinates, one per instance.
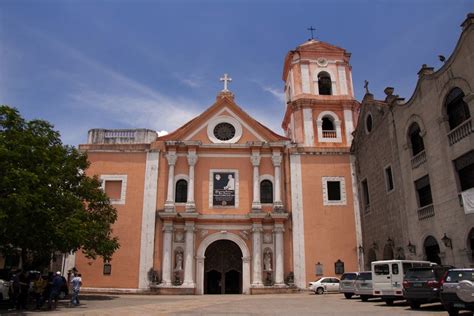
(224, 119)
(148, 218)
(211, 187)
(341, 71)
(223, 226)
(305, 78)
(357, 221)
(299, 266)
(212, 155)
(234, 116)
(308, 127)
(200, 259)
(342, 181)
(352, 92)
(349, 125)
(337, 126)
(116, 177)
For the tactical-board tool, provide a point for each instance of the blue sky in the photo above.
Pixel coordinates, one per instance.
(156, 64)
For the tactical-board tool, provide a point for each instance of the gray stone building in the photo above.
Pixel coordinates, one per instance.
(414, 162)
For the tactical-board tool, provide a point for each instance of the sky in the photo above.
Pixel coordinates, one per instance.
(156, 64)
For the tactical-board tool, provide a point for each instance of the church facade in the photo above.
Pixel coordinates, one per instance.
(225, 205)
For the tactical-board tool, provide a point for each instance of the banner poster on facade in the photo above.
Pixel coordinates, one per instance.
(224, 189)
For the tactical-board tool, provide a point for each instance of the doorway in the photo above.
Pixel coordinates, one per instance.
(432, 250)
(223, 268)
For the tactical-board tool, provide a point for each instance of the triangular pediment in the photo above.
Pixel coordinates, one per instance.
(224, 110)
(319, 46)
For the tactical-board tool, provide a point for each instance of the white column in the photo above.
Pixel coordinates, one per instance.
(189, 255)
(255, 159)
(192, 159)
(200, 275)
(147, 242)
(167, 245)
(277, 203)
(257, 254)
(169, 204)
(278, 231)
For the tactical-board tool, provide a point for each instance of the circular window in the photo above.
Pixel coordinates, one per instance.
(368, 123)
(224, 131)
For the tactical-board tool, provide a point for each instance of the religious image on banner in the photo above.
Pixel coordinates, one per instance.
(224, 189)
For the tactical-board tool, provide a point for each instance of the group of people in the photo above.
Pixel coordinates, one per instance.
(42, 288)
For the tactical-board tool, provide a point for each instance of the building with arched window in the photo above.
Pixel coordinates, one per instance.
(414, 161)
(206, 209)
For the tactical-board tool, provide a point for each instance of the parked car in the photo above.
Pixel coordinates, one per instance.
(387, 277)
(363, 285)
(325, 284)
(346, 285)
(4, 285)
(458, 291)
(423, 285)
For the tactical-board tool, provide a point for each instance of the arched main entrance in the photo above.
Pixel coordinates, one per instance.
(432, 250)
(223, 268)
(202, 269)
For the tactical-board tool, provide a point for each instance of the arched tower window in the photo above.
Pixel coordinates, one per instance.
(416, 141)
(324, 83)
(432, 250)
(266, 191)
(181, 192)
(456, 108)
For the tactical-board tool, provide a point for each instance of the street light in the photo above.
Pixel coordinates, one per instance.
(447, 241)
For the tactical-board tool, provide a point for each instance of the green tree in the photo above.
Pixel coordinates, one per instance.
(47, 203)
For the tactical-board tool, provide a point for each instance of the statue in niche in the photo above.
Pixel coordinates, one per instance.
(267, 260)
(179, 260)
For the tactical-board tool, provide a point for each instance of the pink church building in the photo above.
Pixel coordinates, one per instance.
(225, 205)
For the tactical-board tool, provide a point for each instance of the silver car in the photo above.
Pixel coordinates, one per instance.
(347, 284)
(363, 285)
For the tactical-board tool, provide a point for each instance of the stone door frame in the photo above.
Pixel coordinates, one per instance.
(245, 259)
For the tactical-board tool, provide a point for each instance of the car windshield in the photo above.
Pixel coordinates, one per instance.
(456, 276)
(420, 274)
(349, 276)
(365, 276)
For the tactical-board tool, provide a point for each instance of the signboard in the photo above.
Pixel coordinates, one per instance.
(224, 186)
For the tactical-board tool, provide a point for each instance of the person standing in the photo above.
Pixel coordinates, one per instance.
(76, 287)
(56, 286)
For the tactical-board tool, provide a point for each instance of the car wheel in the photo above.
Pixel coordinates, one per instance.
(414, 305)
(389, 302)
(348, 295)
(452, 311)
(319, 290)
(364, 298)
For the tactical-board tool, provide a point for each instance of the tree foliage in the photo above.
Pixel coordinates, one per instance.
(47, 202)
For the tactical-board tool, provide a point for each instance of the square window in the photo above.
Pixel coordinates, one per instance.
(115, 187)
(334, 191)
(423, 190)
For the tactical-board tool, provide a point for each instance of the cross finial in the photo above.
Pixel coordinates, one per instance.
(311, 28)
(226, 79)
(366, 86)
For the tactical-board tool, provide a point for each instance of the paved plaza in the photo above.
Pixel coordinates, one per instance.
(290, 304)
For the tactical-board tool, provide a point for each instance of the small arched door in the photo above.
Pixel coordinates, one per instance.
(223, 268)
(432, 249)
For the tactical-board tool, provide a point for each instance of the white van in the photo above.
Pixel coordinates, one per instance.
(387, 277)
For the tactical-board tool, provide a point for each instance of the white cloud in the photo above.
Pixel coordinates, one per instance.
(162, 133)
(275, 92)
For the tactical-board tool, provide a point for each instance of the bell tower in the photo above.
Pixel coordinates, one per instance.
(320, 106)
(321, 114)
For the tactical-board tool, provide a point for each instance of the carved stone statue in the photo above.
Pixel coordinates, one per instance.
(267, 261)
(179, 261)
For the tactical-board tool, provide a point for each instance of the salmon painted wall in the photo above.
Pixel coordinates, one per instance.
(125, 262)
(329, 230)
